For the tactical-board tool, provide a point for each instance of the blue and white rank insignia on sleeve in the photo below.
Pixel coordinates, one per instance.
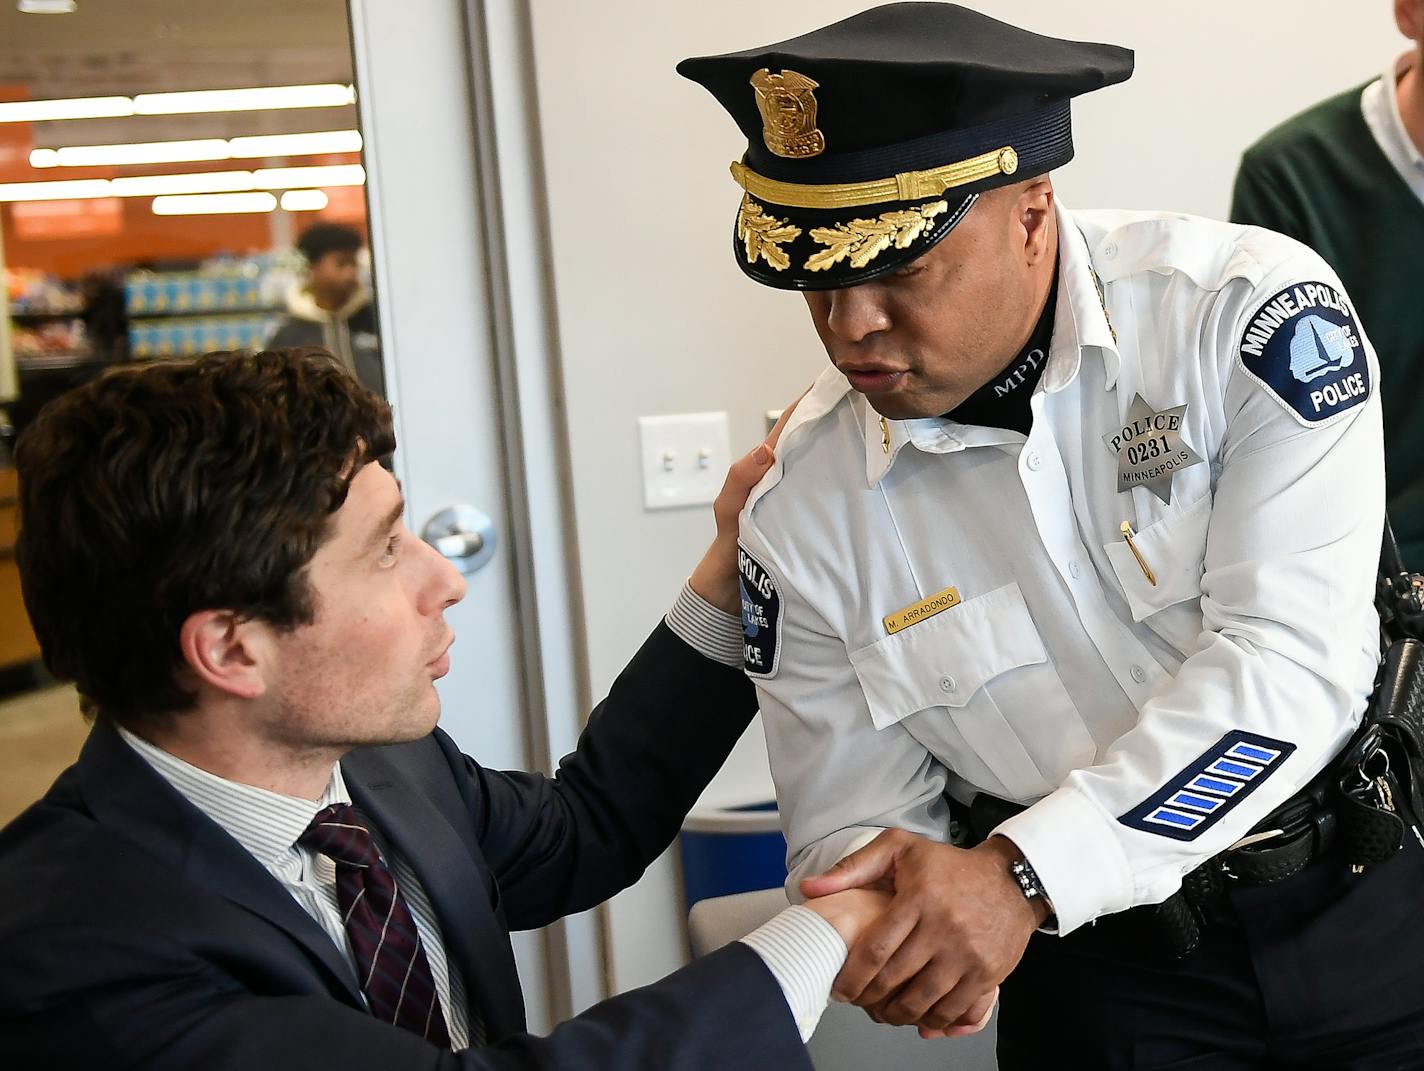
(1304, 346)
(1207, 790)
(761, 616)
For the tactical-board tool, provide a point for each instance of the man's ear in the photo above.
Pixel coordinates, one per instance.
(1035, 216)
(1409, 17)
(226, 652)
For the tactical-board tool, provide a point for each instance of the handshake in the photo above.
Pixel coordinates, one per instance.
(932, 929)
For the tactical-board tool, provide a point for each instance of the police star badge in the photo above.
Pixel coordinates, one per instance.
(788, 114)
(1150, 449)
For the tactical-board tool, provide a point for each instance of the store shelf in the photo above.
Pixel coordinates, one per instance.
(188, 336)
(36, 362)
(252, 285)
(32, 316)
(207, 314)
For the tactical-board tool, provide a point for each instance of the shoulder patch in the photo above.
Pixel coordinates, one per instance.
(1304, 347)
(1206, 791)
(761, 616)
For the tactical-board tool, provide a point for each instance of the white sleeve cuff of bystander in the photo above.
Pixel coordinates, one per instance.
(804, 954)
(709, 631)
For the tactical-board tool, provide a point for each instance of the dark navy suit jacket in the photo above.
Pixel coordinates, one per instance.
(136, 933)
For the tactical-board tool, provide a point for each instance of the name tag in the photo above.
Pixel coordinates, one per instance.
(922, 610)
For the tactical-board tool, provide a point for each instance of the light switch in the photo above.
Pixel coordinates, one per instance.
(685, 458)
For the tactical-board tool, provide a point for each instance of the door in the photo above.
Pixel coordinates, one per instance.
(466, 379)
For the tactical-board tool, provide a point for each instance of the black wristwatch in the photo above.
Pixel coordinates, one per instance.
(1029, 884)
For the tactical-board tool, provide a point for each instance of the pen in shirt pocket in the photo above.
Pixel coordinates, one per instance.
(1127, 534)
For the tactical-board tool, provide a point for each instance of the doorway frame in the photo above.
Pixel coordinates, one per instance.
(516, 307)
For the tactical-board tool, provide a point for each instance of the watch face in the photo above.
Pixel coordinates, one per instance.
(1027, 879)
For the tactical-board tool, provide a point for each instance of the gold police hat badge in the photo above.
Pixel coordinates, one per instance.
(788, 114)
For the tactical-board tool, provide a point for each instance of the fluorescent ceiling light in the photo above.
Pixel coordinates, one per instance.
(269, 178)
(152, 152)
(42, 111)
(73, 189)
(244, 100)
(175, 152)
(286, 178)
(264, 98)
(213, 204)
(321, 141)
(304, 200)
(47, 7)
(200, 182)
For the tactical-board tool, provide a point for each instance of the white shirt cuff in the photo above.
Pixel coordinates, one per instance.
(1079, 861)
(709, 631)
(804, 954)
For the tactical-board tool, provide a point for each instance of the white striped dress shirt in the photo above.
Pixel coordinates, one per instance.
(268, 824)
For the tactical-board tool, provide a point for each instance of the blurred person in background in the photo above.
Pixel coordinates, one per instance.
(331, 308)
(1346, 177)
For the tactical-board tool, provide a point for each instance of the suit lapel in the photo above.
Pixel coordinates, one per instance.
(457, 884)
(126, 795)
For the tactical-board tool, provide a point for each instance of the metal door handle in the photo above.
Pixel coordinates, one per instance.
(460, 545)
(463, 535)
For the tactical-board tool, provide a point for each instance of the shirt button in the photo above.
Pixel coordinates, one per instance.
(1110, 250)
(1075, 570)
(946, 684)
(1034, 461)
(1139, 674)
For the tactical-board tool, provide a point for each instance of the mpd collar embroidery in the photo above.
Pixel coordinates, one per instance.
(1150, 448)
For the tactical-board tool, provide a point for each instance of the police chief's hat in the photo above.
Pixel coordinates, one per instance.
(870, 139)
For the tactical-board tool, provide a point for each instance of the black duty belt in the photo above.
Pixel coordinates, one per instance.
(1357, 810)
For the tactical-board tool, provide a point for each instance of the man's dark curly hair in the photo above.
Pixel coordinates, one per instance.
(154, 492)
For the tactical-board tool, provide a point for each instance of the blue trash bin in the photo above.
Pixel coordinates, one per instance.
(732, 849)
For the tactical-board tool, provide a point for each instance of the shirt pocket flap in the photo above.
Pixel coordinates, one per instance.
(945, 660)
(1173, 548)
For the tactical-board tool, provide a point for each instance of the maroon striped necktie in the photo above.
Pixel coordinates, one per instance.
(395, 975)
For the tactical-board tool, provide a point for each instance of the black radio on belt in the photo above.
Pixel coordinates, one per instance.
(1380, 775)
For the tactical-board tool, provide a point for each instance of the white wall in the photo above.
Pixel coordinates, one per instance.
(654, 317)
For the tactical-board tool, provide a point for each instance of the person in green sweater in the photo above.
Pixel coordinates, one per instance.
(1346, 177)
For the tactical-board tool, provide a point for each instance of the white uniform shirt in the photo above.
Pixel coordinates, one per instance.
(1064, 676)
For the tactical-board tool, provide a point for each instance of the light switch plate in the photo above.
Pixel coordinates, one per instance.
(685, 458)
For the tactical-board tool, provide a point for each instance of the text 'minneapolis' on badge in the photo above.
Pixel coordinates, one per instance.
(761, 616)
(1150, 449)
(1304, 346)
